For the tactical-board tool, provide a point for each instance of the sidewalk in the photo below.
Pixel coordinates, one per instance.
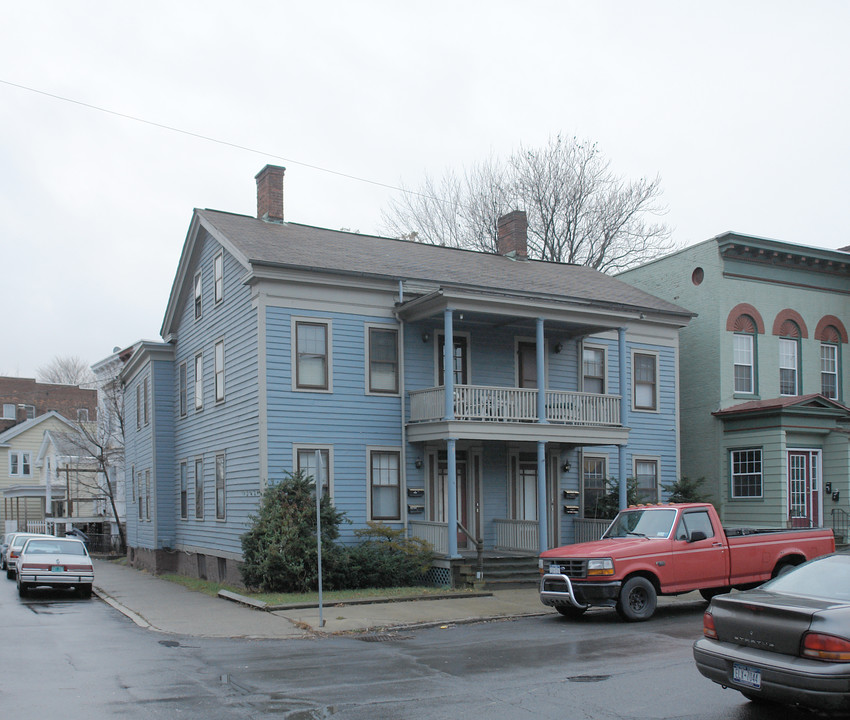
(158, 604)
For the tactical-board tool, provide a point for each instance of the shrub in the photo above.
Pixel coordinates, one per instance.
(608, 503)
(279, 550)
(385, 558)
(686, 490)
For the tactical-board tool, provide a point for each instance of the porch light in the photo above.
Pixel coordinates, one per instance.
(558, 347)
(418, 463)
(426, 336)
(566, 466)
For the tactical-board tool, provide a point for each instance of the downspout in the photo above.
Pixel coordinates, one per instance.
(403, 409)
(625, 394)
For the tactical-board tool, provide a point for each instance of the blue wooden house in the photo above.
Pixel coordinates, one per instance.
(475, 400)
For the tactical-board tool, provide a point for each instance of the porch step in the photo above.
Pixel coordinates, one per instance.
(502, 572)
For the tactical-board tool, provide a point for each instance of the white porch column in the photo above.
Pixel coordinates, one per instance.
(541, 497)
(541, 374)
(625, 395)
(451, 490)
(448, 367)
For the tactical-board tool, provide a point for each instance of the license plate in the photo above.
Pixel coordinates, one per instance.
(746, 675)
(57, 568)
(554, 569)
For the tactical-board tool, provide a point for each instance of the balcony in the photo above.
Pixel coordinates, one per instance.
(511, 413)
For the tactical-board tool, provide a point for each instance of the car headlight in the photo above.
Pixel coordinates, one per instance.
(600, 566)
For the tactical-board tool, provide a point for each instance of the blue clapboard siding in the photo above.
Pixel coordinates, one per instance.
(162, 501)
(230, 427)
(349, 419)
(138, 443)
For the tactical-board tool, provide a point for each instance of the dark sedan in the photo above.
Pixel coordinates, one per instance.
(787, 641)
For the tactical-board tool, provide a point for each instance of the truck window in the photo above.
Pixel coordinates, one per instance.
(642, 523)
(695, 521)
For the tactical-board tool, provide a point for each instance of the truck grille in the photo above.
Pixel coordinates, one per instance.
(572, 568)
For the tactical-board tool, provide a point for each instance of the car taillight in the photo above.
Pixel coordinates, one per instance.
(825, 647)
(708, 628)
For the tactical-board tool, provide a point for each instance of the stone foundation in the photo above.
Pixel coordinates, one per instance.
(194, 565)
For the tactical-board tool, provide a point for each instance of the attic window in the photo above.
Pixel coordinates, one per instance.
(697, 276)
(198, 296)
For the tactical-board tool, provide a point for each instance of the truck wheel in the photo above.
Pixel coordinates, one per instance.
(570, 611)
(783, 568)
(637, 599)
(708, 593)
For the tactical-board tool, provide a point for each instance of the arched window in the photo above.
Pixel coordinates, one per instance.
(830, 346)
(789, 358)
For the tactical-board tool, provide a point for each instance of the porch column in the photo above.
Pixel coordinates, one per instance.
(541, 497)
(452, 497)
(448, 370)
(541, 377)
(625, 395)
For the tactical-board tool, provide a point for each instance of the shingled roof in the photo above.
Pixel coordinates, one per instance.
(291, 245)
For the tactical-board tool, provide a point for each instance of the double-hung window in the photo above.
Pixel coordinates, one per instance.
(138, 407)
(593, 369)
(145, 399)
(646, 474)
(198, 293)
(593, 476)
(383, 360)
(788, 367)
(218, 277)
(385, 484)
(829, 370)
(744, 365)
(199, 489)
(20, 463)
(746, 473)
(147, 494)
(199, 381)
(182, 388)
(9, 411)
(645, 374)
(311, 355)
(305, 461)
(220, 488)
(184, 490)
(219, 371)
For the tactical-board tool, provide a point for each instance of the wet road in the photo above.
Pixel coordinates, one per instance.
(61, 657)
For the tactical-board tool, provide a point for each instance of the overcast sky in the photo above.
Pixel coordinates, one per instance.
(741, 107)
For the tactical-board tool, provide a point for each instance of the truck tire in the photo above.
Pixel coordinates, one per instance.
(708, 593)
(637, 599)
(783, 568)
(570, 611)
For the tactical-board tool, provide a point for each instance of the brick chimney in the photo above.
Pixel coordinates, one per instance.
(513, 234)
(270, 193)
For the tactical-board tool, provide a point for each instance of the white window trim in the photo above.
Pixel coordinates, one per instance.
(605, 474)
(218, 277)
(732, 495)
(203, 488)
(146, 394)
(752, 364)
(14, 414)
(604, 349)
(139, 406)
(300, 447)
(797, 374)
(19, 456)
(219, 371)
(183, 389)
(653, 459)
(469, 365)
(328, 323)
(402, 506)
(837, 372)
(198, 382)
(657, 408)
(367, 328)
(180, 465)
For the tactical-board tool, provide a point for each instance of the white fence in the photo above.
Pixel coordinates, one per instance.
(519, 535)
(433, 532)
(588, 530)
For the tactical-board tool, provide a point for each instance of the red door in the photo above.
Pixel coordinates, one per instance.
(803, 488)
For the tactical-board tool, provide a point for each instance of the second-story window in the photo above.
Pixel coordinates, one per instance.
(383, 360)
(460, 357)
(645, 373)
(9, 411)
(182, 388)
(218, 277)
(20, 463)
(145, 400)
(138, 407)
(219, 371)
(744, 365)
(198, 293)
(311, 351)
(788, 367)
(829, 370)
(593, 370)
(82, 415)
(199, 381)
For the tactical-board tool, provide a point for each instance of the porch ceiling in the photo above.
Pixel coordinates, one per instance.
(516, 432)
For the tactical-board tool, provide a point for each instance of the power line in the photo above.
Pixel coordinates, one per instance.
(215, 140)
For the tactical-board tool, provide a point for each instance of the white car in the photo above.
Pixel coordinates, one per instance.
(16, 542)
(55, 562)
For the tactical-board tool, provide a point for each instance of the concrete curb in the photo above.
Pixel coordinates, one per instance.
(123, 609)
(261, 605)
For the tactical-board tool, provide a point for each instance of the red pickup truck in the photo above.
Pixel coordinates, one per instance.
(655, 550)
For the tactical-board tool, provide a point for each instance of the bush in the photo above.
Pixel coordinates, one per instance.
(279, 550)
(686, 490)
(385, 558)
(608, 503)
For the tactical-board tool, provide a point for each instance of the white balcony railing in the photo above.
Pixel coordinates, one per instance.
(433, 532)
(501, 404)
(518, 535)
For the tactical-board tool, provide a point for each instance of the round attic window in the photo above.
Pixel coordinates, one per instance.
(697, 276)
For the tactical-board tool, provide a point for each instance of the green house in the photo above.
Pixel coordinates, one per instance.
(763, 369)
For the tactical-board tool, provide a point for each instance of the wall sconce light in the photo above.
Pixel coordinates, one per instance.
(828, 488)
(558, 347)
(418, 463)
(566, 466)
(426, 336)
(835, 496)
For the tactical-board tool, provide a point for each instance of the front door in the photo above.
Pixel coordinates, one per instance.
(527, 364)
(468, 502)
(804, 488)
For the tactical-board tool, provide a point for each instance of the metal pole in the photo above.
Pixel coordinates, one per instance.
(318, 482)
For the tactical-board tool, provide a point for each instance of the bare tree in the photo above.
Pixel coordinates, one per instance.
(67, 370)
(101, 445)
(578, 210)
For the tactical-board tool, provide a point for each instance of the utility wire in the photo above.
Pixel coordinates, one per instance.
(216, 140)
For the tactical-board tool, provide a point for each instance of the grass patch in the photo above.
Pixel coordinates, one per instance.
(330, 597)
